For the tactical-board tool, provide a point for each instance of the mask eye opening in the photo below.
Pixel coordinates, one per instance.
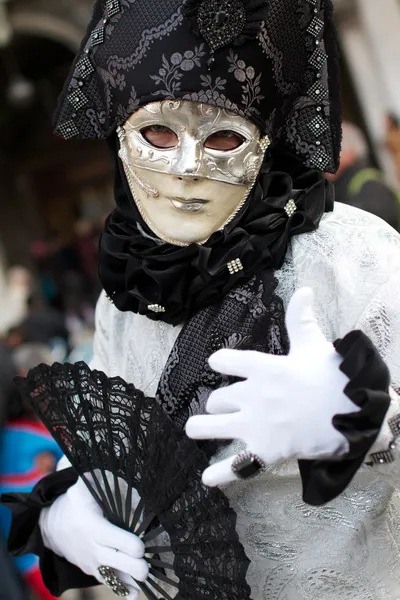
(225, 140)
(159, 136)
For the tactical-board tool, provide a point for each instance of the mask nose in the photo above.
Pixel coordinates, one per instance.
(188, 163)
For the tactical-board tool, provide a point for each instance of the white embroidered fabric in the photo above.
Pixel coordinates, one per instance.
(349, 548)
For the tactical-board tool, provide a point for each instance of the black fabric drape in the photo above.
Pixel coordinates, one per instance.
(137, 270)
(368, 388)
(25, 537)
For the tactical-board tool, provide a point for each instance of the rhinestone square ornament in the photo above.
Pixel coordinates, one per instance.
(264, 143)
(318, 92)
(320, 160)
(156, 308)
(84, 67)
(77, 99)
(290, 208)
(315, 27)
(382, 458)
(68, 130)
(318, 126)
(318, 58)
(113, 7)
(234, 266)
(97, 36)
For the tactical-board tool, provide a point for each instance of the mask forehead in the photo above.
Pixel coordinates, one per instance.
(196, 118)
(193, 123)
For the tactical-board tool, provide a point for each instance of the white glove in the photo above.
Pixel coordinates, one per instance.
(74, 528)
(285, 406)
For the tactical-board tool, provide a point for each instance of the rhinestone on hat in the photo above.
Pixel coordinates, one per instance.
(290, 208)
(97, 36)
(77, 99)
(318, 125)
(317, 92)
(320, 159)
(157, 308)
(84, 67)
(113, 7)
(221, 21)
(68, 130)
(234, 266)
(318, 59)
(315, 27)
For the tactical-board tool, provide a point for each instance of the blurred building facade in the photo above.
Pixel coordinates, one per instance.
(369, 34)
(46, 184)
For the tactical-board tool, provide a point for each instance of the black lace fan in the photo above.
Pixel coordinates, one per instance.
(123, 446)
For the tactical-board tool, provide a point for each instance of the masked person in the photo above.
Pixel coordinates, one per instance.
(225, 257)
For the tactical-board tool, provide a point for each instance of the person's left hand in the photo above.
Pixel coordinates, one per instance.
(284, 407)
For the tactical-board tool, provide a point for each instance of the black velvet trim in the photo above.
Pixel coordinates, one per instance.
(368, 388)
(25, 537)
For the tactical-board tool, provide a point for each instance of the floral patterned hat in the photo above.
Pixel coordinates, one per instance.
(273, 61)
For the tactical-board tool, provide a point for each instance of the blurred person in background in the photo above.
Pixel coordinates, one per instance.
(12, 586)
(359, 184)
(393, 140)
(45, 325)
(28, 453)
(15, 290)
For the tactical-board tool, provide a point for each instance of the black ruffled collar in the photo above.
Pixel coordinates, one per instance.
(137, 271)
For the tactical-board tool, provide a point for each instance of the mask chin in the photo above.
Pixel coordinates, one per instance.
(184, 210)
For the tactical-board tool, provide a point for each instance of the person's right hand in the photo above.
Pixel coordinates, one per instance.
(74, 528)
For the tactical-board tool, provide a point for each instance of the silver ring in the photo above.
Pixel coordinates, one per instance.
(247, 465)
(112, 581)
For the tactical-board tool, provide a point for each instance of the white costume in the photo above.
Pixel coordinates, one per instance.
(222, 117)
(349, 548)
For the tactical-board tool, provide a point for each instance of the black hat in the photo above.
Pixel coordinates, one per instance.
(273, 61)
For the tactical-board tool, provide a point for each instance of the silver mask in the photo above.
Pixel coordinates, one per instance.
(190, 190)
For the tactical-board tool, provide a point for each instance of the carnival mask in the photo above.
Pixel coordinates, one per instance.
(190, 167)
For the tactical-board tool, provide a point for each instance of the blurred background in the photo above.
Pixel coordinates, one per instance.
(55, 195)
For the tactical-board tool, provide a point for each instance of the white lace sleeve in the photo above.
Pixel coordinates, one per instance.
(381, 322)
(100, 360)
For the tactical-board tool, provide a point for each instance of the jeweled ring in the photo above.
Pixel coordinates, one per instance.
(247, 465)
(112, 581)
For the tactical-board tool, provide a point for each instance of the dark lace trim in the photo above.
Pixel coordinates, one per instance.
(105, 426)
(250, 317)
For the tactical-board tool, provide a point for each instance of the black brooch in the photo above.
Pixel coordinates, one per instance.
(225, 22)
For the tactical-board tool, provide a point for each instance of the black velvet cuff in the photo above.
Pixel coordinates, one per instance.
(368, 388)
(25, 537)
